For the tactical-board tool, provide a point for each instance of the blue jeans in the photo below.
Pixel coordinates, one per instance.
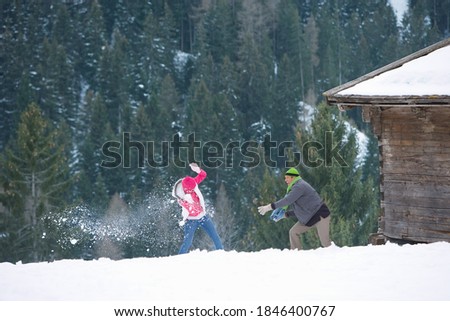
(189, 230)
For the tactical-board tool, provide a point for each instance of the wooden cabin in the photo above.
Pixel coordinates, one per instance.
(408, 105)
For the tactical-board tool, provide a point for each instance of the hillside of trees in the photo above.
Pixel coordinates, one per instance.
(104, 103)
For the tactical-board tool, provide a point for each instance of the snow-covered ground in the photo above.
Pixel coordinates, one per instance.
(348, 277)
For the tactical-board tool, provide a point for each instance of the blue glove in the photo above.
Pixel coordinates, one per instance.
(278, 214)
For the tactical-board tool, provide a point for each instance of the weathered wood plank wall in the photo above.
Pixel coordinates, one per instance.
(415, 171)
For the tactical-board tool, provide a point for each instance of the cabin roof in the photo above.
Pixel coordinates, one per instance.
(422, 78)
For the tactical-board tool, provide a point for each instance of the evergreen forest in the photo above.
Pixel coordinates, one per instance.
(104, 103)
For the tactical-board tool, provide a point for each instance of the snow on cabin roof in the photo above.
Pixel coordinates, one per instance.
(424, 74)
(427, 75)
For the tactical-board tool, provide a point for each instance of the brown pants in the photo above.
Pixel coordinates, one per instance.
(323, 229)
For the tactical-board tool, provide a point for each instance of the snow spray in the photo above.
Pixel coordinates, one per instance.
(146, 228)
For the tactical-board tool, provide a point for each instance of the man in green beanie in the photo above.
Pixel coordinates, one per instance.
(307, 207)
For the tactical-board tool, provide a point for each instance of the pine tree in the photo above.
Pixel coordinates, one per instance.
(114, 88)
(380, 26)
(23, 31)
(312, 44)
(220, 31)
(285, 112)
(201, 118)
(169, 113)
(98, 133)
(58, 94)
(418, 30)
(290, 44)
(254, 85)
(439, 13)
(64, 34)
(141, 173)
(256, 62)
(228, 84)
(34, 178)
(100, 195)
(92, 42)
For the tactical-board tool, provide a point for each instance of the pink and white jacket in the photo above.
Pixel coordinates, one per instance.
(192, 208)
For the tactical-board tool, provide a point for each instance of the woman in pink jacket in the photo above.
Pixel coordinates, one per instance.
(193, 209)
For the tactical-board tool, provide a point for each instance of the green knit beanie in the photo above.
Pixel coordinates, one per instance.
(292, 172)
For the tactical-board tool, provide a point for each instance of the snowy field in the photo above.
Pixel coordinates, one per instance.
(418, 274)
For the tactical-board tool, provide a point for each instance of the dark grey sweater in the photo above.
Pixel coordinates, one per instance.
(304, 199)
